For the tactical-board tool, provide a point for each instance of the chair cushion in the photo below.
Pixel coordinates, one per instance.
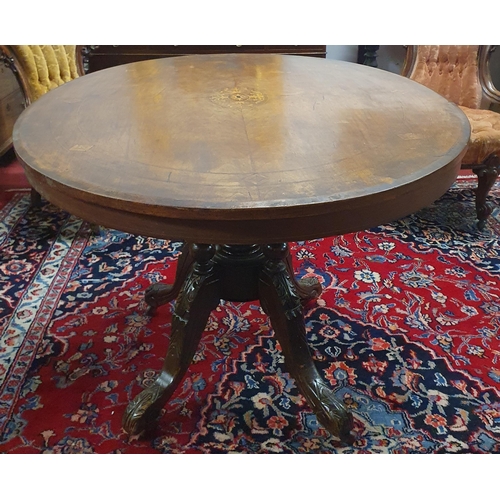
(46, 66)
(485, 135)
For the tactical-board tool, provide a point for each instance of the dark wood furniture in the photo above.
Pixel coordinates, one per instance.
(237, 155)
(105, 56)
(367, 54)
(12, 103)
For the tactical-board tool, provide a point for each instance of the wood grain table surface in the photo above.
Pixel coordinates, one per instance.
(241, 148)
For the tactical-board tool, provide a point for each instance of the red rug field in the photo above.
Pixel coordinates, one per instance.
(406, 332)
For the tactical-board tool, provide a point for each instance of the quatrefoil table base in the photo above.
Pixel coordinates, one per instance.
(208, 273)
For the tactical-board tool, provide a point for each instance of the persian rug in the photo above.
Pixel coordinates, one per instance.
(406, 332)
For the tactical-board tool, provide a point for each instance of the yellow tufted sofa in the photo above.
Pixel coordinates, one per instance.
(461, 74)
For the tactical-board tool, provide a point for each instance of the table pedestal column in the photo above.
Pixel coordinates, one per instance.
(208, 273)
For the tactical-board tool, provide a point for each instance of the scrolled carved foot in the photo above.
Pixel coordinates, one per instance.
(162, 293)
(142, 412)
(307, 288)
(330, 412)
(158, 294)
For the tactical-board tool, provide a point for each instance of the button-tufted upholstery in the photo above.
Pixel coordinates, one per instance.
(450, 70)
(46, 66)
(453, 71)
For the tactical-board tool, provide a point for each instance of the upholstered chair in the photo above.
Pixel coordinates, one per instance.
(461, 74)
(41, 68)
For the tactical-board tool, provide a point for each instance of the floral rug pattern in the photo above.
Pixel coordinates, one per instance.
(406, 332)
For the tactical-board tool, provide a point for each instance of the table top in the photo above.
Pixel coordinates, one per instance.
(241, 148)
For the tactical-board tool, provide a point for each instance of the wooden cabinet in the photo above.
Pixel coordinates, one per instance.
(11, 105)
(104, 56)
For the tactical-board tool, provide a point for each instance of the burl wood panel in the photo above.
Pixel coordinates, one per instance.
(240, 148)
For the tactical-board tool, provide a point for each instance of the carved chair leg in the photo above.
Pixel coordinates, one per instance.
(95, 229)
(487, 174)
(281, 301)
(200, 295)
(162, 293)
(36, 199)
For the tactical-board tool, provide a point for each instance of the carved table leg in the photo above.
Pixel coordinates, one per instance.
(280, 299)
(198, 297)
(162, 293)
(238, 273)
(487, 174)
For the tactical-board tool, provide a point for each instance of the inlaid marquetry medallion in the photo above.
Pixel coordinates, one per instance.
(237, 97)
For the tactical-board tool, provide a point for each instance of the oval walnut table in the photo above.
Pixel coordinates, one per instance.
(237, 155)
